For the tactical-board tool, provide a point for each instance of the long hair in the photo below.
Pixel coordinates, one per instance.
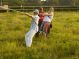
(51, 9)
(41, 9)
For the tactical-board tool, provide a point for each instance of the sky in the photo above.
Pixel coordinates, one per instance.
(43, 0)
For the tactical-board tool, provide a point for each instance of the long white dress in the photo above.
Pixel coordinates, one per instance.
(33, 30)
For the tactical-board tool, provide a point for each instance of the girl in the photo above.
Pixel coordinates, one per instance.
(41, 17)
(47, 21)
(33, 29)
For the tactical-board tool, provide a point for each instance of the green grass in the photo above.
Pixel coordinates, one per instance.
(63, 41)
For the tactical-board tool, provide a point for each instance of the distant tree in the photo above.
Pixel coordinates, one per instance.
(77, 2)
(55, 2)
(40, 2)
(15, 2)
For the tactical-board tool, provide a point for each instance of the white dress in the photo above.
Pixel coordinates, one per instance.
(48, 18)
(33, 30)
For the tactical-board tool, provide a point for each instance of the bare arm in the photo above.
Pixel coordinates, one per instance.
(29, 15)
(49, 14)
(46, 14)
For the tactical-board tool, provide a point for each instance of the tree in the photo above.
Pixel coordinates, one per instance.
(55, 2)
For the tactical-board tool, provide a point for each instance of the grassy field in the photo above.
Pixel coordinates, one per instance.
(62, 42)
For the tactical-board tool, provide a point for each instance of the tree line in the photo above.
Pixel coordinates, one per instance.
(39, 2)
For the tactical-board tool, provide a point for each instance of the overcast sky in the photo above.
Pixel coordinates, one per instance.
(43, 0)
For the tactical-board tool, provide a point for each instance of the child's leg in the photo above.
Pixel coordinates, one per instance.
(48, 31)
(41, 26)
(46, 28)
(28, 37)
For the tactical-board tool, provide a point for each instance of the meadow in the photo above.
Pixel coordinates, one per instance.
(62, 42)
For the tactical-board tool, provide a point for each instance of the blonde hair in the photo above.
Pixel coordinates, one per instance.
(51, 9)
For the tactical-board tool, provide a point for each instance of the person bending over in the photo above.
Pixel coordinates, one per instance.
(33, 29)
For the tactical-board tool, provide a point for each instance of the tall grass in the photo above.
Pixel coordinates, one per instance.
(62, 42)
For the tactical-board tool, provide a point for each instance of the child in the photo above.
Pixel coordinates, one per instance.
(41, 17)
(33, 29)
(47, 21)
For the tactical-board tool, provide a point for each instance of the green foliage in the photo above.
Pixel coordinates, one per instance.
(62, 42)
(41, 2)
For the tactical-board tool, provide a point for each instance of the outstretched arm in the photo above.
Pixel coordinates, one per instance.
(49, 14)
(46, 14)
(29, 15)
